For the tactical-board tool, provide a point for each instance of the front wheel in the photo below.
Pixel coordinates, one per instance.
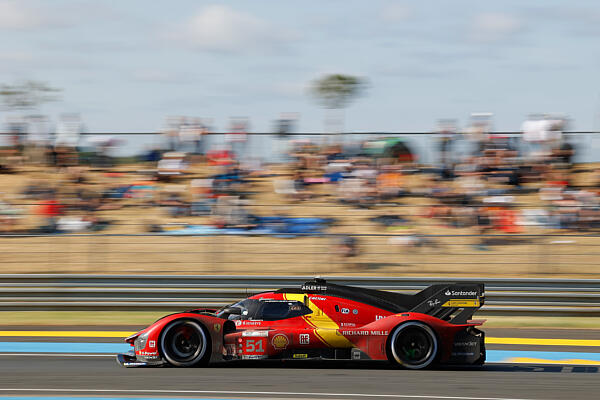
(413, 345)
(184, 343)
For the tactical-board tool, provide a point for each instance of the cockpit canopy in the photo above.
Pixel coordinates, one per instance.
(265, 310)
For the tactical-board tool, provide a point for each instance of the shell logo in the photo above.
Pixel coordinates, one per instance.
(280, 341)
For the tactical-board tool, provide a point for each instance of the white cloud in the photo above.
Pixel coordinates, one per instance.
(395, 12)
(494, 27)
(27, 15)
(16, 15)
(222, 29)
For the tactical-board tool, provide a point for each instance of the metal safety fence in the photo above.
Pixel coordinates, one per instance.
(541, 297)
(402, 253)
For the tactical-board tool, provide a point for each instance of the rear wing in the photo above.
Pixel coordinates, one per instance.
(452, 302)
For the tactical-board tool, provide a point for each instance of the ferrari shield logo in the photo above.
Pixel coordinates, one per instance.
(217, 327)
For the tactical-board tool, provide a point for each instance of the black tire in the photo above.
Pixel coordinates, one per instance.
(413, 345)
(185, 343)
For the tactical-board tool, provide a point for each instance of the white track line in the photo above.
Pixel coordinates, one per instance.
(240, 392)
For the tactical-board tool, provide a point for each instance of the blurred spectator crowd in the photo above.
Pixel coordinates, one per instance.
(498, 183)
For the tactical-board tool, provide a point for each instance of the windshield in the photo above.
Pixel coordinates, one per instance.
(269, 310)
(248, 309)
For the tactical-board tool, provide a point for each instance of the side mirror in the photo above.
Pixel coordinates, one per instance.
(233, 311)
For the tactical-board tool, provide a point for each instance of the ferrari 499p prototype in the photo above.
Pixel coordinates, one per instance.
(325, 321)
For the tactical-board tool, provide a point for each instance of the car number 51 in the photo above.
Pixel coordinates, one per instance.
(254, 346)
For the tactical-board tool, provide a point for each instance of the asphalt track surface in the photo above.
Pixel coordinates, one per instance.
(98, 375)
(101, 376)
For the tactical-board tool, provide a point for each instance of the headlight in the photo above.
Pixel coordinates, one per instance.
(140, 342)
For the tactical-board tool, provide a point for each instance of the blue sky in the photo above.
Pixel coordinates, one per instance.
(125, 65)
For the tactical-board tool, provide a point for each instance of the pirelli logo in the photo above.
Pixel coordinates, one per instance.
(462, 303)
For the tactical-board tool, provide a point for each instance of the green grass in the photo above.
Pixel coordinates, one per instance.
(132, 318)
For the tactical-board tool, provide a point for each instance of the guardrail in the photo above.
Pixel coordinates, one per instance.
(393, 253)
(551, 297)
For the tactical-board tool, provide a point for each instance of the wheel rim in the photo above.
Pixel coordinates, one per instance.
(414, 345)
(184, 342)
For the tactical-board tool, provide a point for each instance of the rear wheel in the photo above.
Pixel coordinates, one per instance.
(413, 345)
(185, 343)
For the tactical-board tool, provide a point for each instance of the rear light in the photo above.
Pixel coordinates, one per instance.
(476, 322)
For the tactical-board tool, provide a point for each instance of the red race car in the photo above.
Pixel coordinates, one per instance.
(322, 320)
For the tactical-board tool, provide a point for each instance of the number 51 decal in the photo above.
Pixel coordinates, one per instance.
(254, 346)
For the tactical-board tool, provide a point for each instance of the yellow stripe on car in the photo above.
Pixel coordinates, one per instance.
(325, 327)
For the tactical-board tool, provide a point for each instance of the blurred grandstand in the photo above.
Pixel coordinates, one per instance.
(442, 203)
